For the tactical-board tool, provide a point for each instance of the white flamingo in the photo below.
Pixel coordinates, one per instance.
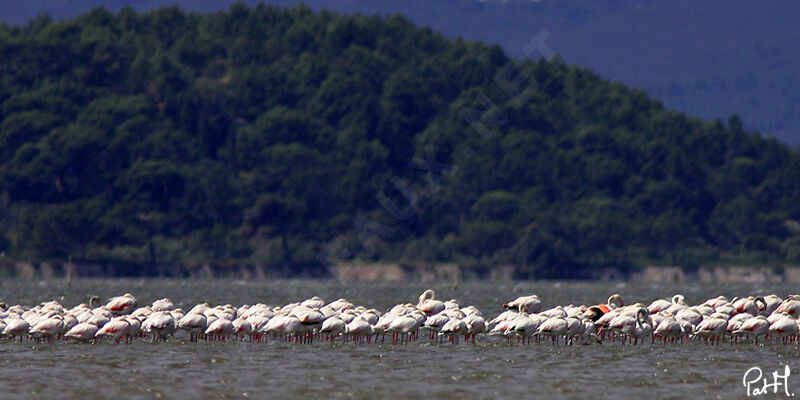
(712, 328)
(530, 303)
(48, 328)
(772, 302)
(314, 302)
(358, 329)
(434, 324)
(669, 329)
(162, 305)
(242, 328)
(134, 328)
(16, 327)
(160, 324)
(554, 327)
(122, 305)
(83, 331)
(194, 323)
(789, 306)
(690, 315)
(115, 329)
(784, 328)
(756, 326)
(402, 328)
(575, 328)
(428, 303)
(475, 326)
(333, 327)
(220, 329)
(453, 329)
(642, 328)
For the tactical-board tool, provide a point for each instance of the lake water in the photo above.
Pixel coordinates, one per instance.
(489, 369)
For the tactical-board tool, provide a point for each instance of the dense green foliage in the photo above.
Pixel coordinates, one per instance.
(286, 137)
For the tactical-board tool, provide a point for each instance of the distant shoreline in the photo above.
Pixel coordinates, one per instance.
(360, 271)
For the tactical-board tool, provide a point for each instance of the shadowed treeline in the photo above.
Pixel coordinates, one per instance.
(286, 138)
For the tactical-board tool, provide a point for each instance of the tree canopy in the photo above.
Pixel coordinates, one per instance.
(287, 137)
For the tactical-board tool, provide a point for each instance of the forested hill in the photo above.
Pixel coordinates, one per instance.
(290, 138)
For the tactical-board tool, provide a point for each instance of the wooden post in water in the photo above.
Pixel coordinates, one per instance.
(70, 271)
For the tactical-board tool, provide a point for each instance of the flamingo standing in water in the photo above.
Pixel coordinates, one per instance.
(604, 323)
(428, 303)
(716, 302)
(712, 329)
(503, 319)
(83, 331)
(669, 329)
(503, 323)
(402, 327)
(220, 329)
(735, 322)
(554, 327)
(194, 323)
(690, 315)
(114, 329)
(16, 327)
(784, 328)
(598, 312)
(475, 326)
(622, 324)
(286, 325)
(164, 304)
(275, 325)
(122, 305)
(310, 320)
(332, 327)
(750, 305)
(48, 328)
(664, 304)
(358, 329)
(642, 328)
(575, 328)
(453, 328)
(523, 325)
(530, 303)
(434, 324)
(790, 306)
(756, 326)
(258, 322)
(772, 302)
(69, 322)
(134, 328)
(314, 302)
(293, 328)
(160, 324)
(242, 328)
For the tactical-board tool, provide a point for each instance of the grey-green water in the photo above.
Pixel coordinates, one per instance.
(489, 369)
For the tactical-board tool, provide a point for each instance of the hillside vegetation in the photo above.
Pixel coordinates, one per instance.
(290, 138)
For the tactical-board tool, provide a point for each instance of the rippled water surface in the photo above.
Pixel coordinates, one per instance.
(488, 369)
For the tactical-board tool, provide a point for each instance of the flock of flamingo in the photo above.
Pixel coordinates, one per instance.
(717, 319)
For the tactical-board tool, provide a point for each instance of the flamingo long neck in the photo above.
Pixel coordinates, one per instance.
(427, 295)
(761, 300)
(641, 318)
(614, 301)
